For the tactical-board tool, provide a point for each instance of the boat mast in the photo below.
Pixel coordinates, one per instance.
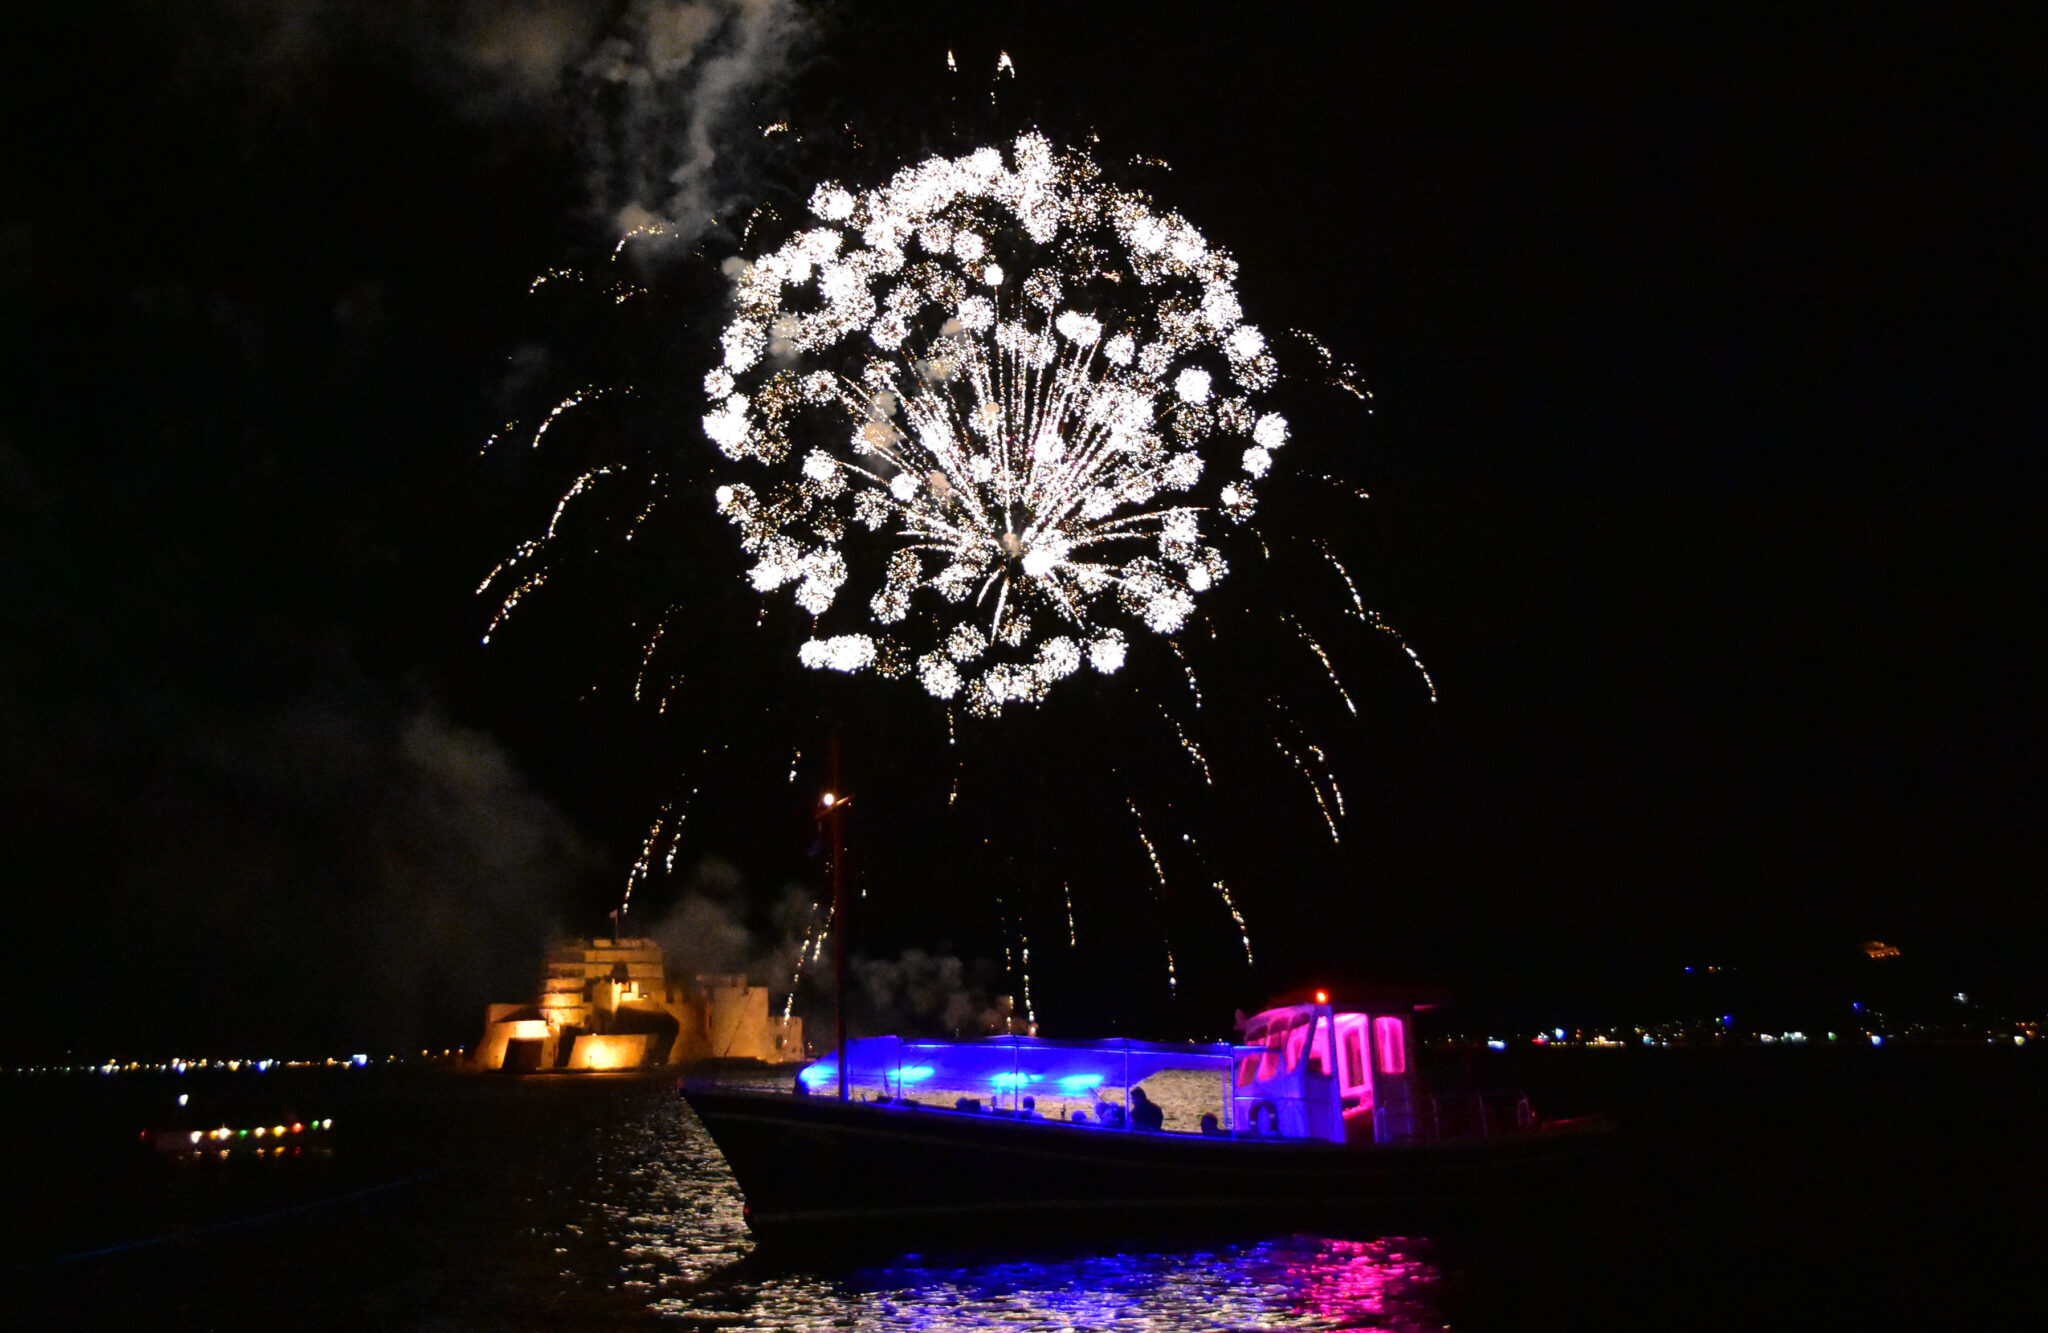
(834, 800)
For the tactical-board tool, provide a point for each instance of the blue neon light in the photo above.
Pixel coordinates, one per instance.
(1006, 1067)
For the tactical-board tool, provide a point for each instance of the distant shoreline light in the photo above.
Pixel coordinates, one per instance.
(259, 1065)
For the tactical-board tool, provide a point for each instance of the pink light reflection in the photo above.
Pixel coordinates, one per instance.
(1351, 1284)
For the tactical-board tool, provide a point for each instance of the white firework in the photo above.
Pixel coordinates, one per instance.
(987, 418)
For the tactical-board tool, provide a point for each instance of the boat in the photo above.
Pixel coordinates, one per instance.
(1315, 1115)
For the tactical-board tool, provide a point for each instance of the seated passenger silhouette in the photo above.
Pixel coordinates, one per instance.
(1211, 1129)
(1145, 1113)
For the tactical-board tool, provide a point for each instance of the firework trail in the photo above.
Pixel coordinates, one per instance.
(647, 653)
(1314, 787)
(1187, 668)
(645, 861)
(1336, 792)
(1373, 619)
(1324, 658)
(1187, 743)
(1243, 931)
(1159, 873)
(804, 954)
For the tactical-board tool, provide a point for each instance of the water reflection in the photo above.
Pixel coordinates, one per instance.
(1307, 1282)
(667, 1215)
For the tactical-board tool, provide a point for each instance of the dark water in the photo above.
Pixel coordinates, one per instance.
(1756, 1189)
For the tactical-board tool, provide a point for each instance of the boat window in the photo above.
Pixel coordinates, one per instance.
(1388, 1037)
(1297, 1041)
(1354, 1057)
(1318, 1049)
(1276, 1041)
(1247, 1070)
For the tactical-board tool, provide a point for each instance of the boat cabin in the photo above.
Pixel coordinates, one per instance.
(1308, 1071)
(1302, 1071)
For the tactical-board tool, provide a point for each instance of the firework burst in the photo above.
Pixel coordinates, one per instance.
(988, 420)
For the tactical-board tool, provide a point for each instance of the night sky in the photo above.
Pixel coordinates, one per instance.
(1707, 365)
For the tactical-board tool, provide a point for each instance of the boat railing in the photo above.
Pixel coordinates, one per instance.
(1469, 1115)
(1088, 1082)
(1266, 1114)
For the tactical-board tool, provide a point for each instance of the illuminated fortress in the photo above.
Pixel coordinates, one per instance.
(609, 1004)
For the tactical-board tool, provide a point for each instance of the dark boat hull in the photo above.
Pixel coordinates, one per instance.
(814, 1169)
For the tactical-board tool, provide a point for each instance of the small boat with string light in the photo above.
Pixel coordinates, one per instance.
(1317, 1114)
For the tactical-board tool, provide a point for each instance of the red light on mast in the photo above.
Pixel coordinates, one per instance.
(1322, 997)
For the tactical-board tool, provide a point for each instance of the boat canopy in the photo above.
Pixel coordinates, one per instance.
(1004, 1068)
(1304, 1071)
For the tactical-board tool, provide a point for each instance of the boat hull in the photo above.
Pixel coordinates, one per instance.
(814, 1169)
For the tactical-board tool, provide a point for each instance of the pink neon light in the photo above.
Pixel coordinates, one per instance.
(1297, 1038)
(1390, 1040)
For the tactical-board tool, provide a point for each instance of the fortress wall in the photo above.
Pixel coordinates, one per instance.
(490, 1052)
(786, 1039)
(739, 1023)
(616, 1051)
